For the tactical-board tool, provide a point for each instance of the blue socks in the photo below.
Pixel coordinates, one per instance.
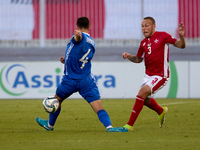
(54, 116)
(102, 115)
(104, 118)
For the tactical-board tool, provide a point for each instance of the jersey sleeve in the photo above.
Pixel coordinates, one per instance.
(140, 52)
(169, 39)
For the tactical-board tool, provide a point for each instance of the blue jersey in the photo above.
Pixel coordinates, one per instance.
(78, 57)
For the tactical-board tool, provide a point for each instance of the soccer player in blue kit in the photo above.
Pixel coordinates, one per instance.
(78, 77)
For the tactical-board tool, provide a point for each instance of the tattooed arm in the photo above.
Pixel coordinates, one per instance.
(132, 58)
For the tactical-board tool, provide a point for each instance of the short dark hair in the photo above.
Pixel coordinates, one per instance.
(83, 22)
(150, 18)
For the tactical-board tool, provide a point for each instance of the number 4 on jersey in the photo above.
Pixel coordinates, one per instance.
(84, 59)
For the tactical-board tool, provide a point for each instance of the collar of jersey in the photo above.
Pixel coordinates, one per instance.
(86, 33)
(152, 35)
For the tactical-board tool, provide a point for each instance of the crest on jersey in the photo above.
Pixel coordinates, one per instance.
(156, 40)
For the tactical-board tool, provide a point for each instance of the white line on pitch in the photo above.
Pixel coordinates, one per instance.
(175, 103)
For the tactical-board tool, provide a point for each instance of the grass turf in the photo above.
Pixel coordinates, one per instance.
(78, 127)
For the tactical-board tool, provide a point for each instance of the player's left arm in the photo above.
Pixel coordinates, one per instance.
(181, 43)
(62, 59)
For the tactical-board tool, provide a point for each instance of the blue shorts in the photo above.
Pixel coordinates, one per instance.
(86, 87)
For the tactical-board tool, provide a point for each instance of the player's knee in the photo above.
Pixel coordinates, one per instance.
(143, 95)
(144, 92)
(59, 99)
(96, 105)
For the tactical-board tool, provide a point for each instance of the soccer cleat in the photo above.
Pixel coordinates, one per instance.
(161, 117)
(117, 129)
(128, 127)
(44, 124)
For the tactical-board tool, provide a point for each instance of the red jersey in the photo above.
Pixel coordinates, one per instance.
(155, 51)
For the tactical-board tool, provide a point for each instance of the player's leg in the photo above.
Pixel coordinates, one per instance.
(139, 103)
(101, 113)
(156, 84)
(49, 124)
(64, 90)
(161, 111)
(53, 116)
(152, 104)
(104, 117)
(89, 91)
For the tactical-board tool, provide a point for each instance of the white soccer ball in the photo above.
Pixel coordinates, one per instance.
(50, 104)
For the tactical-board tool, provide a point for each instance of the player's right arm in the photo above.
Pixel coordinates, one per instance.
(132, 58)
(77, 35)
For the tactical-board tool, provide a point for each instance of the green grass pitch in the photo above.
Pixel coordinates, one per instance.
(78, 127)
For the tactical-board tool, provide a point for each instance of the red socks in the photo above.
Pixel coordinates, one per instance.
(139, 103)
(154, 106)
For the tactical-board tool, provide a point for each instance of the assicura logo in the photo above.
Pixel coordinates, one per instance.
(16, 80)
(31, 78)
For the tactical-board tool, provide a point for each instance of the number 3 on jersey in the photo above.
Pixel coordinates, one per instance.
(84, 59)
(149, 47)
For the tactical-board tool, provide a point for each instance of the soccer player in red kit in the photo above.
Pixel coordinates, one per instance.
(154, 49)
